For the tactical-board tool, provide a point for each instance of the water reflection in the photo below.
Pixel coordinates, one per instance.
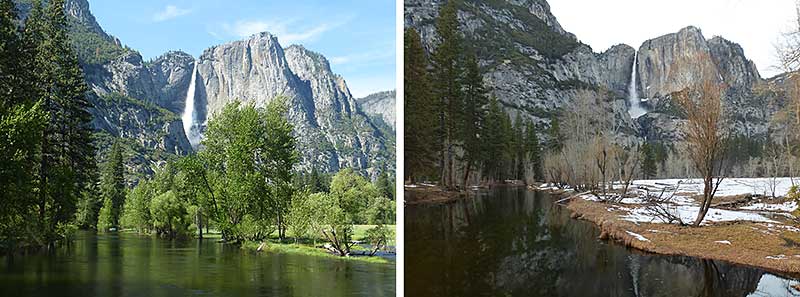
(130, 265)
(512, 242)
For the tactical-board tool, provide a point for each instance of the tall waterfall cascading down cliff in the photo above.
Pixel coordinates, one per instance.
(190, 125)
(636, 109)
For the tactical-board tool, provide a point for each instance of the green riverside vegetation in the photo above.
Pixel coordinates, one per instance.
(47, 160)
(243, 182)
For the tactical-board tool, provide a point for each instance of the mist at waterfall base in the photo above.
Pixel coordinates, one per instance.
(636, 109)
(191, 124)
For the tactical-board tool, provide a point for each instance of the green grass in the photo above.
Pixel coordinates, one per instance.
(307, 249)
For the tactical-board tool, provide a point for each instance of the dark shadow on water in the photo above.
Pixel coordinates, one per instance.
(513, 242)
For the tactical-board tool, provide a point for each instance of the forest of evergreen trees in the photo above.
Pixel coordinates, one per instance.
(455, 132)
(46, 154)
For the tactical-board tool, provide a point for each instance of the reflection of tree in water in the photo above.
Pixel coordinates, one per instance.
(514, 242)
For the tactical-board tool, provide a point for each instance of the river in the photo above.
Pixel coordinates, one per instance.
(513, 242)
(134, 265)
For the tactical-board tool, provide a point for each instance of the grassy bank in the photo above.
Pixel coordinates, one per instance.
(308, 247)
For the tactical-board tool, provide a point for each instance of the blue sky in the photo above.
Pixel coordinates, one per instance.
(357, 37)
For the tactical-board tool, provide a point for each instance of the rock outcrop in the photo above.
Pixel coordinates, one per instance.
(141, 101)
(535, 68)
(332, 131)
(380, 105)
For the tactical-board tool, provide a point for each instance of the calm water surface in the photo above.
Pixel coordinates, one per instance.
(132, 265)
(513, 242)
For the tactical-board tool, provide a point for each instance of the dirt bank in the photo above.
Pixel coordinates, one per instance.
(764, 245)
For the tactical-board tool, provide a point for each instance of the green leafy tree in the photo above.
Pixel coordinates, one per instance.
(169, 216)
(333, 222)
(353, 192)
(277, 162)
(419, 124)
(301, 215)
(136, 213)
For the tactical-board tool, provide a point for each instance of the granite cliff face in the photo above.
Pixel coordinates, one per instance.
(535, 68)
(332, 131)
(142, 101)
(380, 105)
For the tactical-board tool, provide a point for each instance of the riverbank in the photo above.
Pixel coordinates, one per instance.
(309, 248)
(424, 193)
(740, 228)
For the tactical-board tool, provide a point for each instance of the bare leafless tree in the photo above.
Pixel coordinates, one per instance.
(704, 135)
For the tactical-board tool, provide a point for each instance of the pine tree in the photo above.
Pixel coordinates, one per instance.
(519, 148)
(66, 163)
(494, 144)
(419, 126)
(447, 85)
(112, 185)
(649, 168)
(555, 139)
(533, 151)
(385, 185)
(475, 101)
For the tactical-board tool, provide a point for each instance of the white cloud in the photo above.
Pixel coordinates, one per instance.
(280, 29)
(170, 12)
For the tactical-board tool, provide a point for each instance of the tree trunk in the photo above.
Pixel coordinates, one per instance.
(466, 173)
(199, 222)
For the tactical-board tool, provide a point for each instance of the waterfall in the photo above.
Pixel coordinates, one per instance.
(636, 109)
(189, 117)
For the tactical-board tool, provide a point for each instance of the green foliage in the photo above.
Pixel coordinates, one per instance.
(533, 151)
(301, 215)
(47, 162)
(169, 216)
(112, 184)
(475, 100)
(419, 124)
(353, 193)
(104, 218)
(649, 168)
(333, 222)
(385, 185)
(314, 181)
(88, 209)
(136, 213)
(555, 139)
(93, 48)
(498, 38)
(380, 211)
(379, 236)
(447, 83)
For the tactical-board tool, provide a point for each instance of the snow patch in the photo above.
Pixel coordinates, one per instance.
(723, 242)
(638, 236)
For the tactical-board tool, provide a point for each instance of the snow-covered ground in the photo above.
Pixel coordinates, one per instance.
(729, 186)
(683, 206)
